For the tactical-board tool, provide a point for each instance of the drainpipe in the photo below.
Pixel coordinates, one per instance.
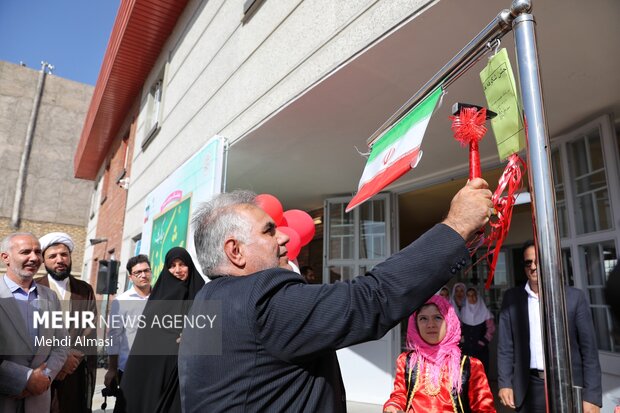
(23, 166)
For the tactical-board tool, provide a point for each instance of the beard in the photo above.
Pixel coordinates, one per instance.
(59, 275)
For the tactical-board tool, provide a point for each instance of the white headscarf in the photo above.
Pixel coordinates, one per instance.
(56, 238)
(453, 301)
(474, 314)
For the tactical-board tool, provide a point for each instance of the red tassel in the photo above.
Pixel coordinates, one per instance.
(469, 128)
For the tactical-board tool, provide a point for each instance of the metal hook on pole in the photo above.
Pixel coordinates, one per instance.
(495, 45)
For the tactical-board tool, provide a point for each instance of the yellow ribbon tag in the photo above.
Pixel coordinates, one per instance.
(500, 91)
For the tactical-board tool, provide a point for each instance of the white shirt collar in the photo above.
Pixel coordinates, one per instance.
(61, 285)
(530, 292)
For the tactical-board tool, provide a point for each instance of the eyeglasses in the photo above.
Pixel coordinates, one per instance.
(529, 263)
(141, 272)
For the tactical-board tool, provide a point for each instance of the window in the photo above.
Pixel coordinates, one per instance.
(502, 278)
(599, 260)
(588, 203)
(106, 183)
(94, 199)
(358, 240)
(152, 123)
(590, 193)
(560, 198)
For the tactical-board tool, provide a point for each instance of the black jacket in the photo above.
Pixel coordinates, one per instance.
(279, 335)
(513, 348)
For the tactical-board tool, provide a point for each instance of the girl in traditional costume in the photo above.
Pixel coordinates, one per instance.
(433, 375)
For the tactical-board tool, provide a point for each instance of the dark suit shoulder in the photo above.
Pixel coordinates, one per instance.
(574, 293)
(271, 280)
(80, 286)
(256, 284)
(513, 294)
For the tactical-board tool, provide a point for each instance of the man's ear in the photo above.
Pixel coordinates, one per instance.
(232, 249)
(5, 258)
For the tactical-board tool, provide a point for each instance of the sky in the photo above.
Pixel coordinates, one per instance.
(72, 35)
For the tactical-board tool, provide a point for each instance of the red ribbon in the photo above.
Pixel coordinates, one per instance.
(469, 128)
(512, 180)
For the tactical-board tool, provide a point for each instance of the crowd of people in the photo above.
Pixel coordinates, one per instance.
(280, 330)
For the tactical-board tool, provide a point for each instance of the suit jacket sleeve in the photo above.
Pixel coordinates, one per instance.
(13, 378)
(58, 354)
(398, 398)
(295, 319)
(592, 389)
(505, 345)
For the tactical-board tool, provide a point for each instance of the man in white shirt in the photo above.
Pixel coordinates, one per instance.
(520, 350)
(127, 306)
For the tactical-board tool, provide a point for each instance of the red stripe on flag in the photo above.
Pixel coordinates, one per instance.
(376, 185)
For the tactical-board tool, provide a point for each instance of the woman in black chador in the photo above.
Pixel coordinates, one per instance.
(151, 380)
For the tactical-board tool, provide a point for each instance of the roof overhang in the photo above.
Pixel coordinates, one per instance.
(311, 144)
(139, 33)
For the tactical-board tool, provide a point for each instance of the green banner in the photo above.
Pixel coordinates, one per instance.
(170, 229)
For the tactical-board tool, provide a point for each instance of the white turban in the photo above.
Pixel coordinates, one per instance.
(56, 238)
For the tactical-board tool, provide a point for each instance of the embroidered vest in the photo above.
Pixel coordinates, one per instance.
(460, 400)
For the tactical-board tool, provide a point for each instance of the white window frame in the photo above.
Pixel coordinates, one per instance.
(610, 362)
(154, 109)
(357, 262)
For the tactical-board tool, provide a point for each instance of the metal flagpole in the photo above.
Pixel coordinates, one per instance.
(459, 64)
(558, 381)
(551, 288)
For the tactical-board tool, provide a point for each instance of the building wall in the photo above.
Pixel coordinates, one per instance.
(109, 200)
(222, 76)
(77, 232)
(53, 200)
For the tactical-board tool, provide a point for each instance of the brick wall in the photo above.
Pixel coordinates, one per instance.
(111, 217)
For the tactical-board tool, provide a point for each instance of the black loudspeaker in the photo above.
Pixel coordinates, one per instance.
(107, 277)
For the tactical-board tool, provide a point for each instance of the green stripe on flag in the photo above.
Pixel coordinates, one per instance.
(421, 111)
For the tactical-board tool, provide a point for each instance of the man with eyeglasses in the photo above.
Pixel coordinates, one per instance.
(520, 348)
(124, 318)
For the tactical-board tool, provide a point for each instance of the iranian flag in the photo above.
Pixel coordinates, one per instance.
(396, 151)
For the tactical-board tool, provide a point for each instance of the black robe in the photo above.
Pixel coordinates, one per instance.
(150, 381)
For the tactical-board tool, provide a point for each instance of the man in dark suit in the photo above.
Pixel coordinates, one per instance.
(279, 334)
(73, 389)
(520, 347)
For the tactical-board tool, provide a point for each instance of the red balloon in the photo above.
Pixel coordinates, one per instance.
(293, 246)
(301, 222)
(271, 206)
(283, 222)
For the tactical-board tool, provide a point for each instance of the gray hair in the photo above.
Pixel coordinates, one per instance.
(216, 220)
(5, 245)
